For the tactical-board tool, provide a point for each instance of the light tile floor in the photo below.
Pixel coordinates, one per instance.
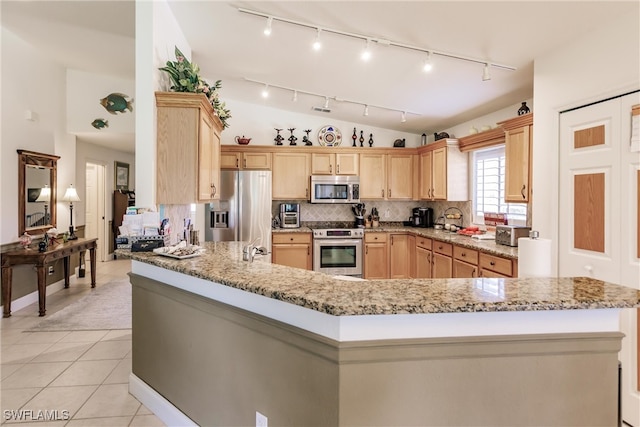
(83, 372)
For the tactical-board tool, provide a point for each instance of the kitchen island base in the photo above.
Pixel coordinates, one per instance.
(219, 364)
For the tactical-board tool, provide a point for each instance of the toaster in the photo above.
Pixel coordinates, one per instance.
(509, 234)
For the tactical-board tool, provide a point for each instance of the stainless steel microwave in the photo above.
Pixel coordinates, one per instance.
(335, 189)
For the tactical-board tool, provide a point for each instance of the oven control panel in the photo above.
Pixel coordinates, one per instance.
(344, 233)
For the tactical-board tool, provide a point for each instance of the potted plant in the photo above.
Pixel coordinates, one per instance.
(185, 77)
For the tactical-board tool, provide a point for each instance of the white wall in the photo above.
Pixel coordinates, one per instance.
(37, 84)
(601, 64)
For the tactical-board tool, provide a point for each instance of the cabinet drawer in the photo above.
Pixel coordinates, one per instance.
(496, 263)
(443, 248)
(464, 254)
(375, 237)
(282, 238)
(423, 242)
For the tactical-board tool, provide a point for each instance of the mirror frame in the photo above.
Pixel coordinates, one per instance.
(48, 161)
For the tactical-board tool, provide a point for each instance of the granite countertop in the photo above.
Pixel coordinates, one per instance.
(222, 263)
(487, 246)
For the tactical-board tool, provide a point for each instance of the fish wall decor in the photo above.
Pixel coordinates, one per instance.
(100, 123)
(117, 103)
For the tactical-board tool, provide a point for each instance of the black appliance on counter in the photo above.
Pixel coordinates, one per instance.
(422, 217)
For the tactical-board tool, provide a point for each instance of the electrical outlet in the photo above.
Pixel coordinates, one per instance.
(50, 270)
(261, 420)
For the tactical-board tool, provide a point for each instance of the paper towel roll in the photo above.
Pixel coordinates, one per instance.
(534, 257)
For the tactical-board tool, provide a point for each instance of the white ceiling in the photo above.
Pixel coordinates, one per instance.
(100, 37)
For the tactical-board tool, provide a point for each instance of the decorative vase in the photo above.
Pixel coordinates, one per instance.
(523, 109)
(361, 139)
(354, 137)
(25, 240)
(370, 140)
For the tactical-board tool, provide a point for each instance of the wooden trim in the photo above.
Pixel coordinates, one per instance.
(489, 138)
(316, 149)
(638, 223)
(589, 211)
(635, 110)
(441, 143)
(187, 100)
(517, 122)
(638, 344)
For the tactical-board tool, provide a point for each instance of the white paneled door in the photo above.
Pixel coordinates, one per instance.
(95, 222)
(599, 228)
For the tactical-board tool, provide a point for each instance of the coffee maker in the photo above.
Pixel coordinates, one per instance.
(426, 217)
(416, 219)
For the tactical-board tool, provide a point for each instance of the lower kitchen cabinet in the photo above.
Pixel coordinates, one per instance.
(465, 262)
(442, 261)
(463, 270)
(399, 256)
(495, 266)
(423, 258)
(411, 244)
(376, 256)
(292, 250)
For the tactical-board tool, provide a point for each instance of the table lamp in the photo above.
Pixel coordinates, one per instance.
(45, 196)
(71, 195)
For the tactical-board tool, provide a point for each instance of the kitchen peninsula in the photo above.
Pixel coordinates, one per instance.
(220, 339)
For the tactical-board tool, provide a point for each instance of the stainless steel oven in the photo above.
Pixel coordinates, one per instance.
(338, 251)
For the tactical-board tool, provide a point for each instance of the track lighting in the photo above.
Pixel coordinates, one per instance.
(486, 74)
(366, 53)
(326, 102)
(403, 117)
(265, 91)
(317, 44)
(267, 29)
(295, 96)
(366, 110)
(428, 66)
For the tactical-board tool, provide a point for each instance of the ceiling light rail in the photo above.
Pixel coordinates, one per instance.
(380, 41)
(326, 98)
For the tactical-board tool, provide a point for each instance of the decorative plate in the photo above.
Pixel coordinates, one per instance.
(329, 136)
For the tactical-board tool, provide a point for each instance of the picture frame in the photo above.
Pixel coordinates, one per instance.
(121, 175)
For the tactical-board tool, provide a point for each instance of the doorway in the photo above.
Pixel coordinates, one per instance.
(95, 222)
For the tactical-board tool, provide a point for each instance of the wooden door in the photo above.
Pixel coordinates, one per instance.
(322, 163)
(375, 261)
(400, 177)
(291, 176)
(399, 259)
(256, 161)
(206, 142)
(517, 165)
(230, 160)
(424, 263)
(293, 255)
(411, 248)
(373, 176)
(439, 183)
(347, 164)
(442, 266)
(463, 270)
(426, 175)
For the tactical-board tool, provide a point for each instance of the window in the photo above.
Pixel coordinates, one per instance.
(488, 187)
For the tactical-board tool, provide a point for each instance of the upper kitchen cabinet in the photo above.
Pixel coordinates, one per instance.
(443, 171)
(188, 149)
(291, 172)
(386, 176)
(244, 159)
(334, 164)
(518, 146)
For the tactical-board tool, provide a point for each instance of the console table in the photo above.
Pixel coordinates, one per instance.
(31, 255)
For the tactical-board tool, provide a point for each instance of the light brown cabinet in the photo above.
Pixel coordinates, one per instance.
(236, 160)
(386, 176)
(443, 171)
(188, 149)
(376, 257)
(399, 260)
(518, 150)
(411, 245)
(335, 164)
(292, 250)
(442, 261)
(465, 262)
(291, 174)
(495, 266)
(424, 258)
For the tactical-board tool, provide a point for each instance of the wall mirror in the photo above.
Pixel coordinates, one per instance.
(37, 185)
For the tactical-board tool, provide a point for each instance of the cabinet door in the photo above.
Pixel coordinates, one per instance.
(423, 263)
(517, 165)
(492, 274)
(322, 163)
(439, 172)
(373, 176)
(375, 261)
(292, 255)
(463, 270)
(442, 266)
(256, 161)
(291, 176)
(230, 160)
(426, 176)
(206, 159)
(411, 248)
(215, 163)
(399, 256)
(347, 164)
(400, 177)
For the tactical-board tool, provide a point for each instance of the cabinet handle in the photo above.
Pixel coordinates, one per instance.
(383, 192)
(473, 272)
(392, 240)
(291, 238)
(237, 162)
(389, 193)
(306, 192)
(244, 162)
(366, 250)
(440, 247)
(463, 254)
(337, 168)
(522, 191)
(492, 263)
(213, 190)
(308, 253)
(330, 168)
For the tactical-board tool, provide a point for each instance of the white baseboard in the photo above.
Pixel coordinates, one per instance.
(161, 407)
(29, 299)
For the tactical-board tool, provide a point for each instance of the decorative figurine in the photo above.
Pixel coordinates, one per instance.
(43, 245)
(305, 138)
(523, 109)
(354, 137)
(361, 139)
(370, 140)
(399, 142)
(292, 139)
(278, 139)
(25, 240)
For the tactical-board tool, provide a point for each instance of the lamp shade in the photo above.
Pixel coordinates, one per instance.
(45, 194)
(71, 195)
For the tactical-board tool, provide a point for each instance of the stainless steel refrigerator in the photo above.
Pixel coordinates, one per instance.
(243, 212)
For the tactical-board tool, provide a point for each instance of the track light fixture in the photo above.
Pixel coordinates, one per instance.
(403, 117)
(428, 66)
(369, 39)
(265, 91)
(486, 73)
(267, 29)
(366, 53)
(317, 44)
(295, 92)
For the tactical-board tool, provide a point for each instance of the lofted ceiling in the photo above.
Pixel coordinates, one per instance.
(99, 36)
